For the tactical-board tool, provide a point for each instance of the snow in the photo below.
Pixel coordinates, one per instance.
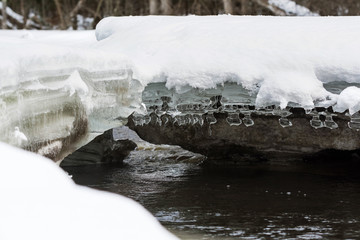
(282, 59)
(349, 99)
(291, 8)
(40, 201)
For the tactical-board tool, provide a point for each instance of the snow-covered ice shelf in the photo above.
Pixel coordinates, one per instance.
(59, 87)
(284, 59)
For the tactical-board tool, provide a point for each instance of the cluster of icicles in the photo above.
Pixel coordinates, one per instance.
(237, 114)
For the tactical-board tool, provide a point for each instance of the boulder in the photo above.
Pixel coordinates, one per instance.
(266, 140)
(103, 149)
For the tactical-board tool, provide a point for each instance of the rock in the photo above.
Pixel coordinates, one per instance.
(266, 140)
(103, 149)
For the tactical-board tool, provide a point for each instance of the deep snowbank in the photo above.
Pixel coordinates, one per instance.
(40, 201)
(284, 59)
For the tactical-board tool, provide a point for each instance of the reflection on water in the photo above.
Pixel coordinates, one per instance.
(247, 203)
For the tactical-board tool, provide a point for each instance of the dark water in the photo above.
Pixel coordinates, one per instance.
(244, 203)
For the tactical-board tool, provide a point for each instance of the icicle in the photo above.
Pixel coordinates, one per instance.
(248, 122)
(210, 118)
(165, 103)
(189, 119)
(190, 108)
(195, 119)
(174, 118)
(180, 119)
(315, 122)
(215, 102)
(247, 119)
(138, 119)
(159, 112)
(329, 122)
(269, 110)
(230, 108)
(355, 121)
(199, 118)
(284, 121)
(166, 119)
(147, 119)
(233, 119)
(158, 121)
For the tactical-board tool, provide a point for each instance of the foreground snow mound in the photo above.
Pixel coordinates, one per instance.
(40, 201)
(283, 59)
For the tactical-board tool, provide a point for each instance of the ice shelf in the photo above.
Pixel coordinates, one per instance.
(60, 89)
(58, 111)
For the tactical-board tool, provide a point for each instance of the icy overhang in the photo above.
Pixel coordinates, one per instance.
(60, 87)
(284, 59)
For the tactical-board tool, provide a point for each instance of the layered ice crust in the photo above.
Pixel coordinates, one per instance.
(61, 94)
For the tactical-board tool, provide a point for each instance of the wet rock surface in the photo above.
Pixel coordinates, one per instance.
(102, 150)
(265, 141)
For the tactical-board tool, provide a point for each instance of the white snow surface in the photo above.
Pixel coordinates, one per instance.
(291, 8)
(40, 201)
(33, 51)
(285, 59)
(349, 99)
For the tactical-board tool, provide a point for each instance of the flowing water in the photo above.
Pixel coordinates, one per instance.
(202, 202)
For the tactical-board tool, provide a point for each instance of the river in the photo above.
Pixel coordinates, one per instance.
(197, 201)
